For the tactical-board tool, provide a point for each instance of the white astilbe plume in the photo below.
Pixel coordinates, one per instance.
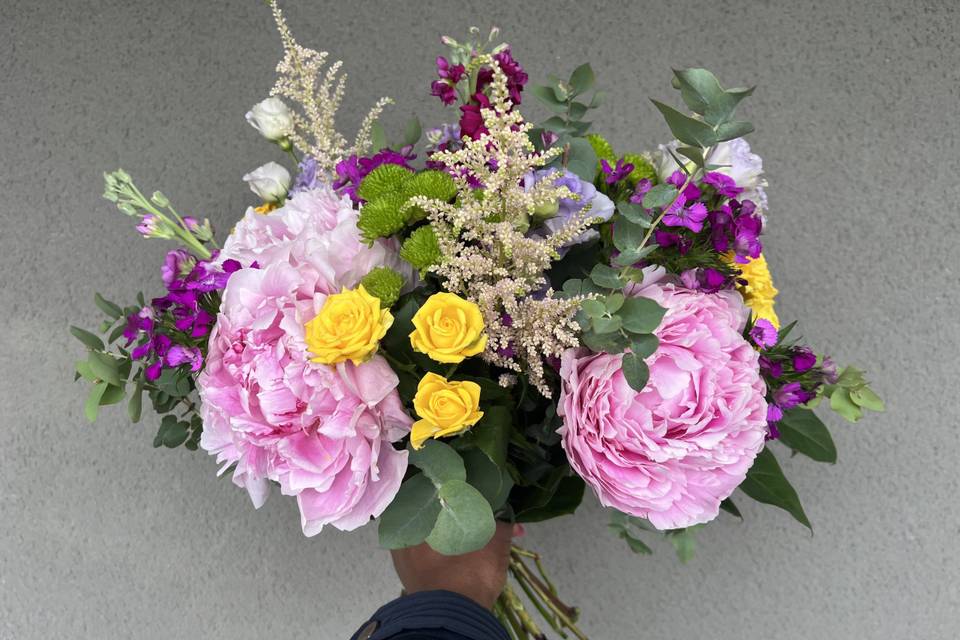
(299, 79)
(487, 256)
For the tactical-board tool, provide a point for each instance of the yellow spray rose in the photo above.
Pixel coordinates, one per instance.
(448, 328)
(759, 293)
(348, 327)
(445, 408)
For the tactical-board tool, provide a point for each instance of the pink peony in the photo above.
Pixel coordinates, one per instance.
(674, 451)
(322, 433)
(315, 231)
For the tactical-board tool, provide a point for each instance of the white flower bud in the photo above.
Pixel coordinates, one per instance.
(272, 118)
(270, 182)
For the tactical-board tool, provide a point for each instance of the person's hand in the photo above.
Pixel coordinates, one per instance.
(480, 575)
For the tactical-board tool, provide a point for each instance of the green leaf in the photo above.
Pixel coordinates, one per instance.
(563, 500)
(866, 398)
(606, 276)
(844, 406)
(605, 342)
(92, 406)
(684, 543)
(411, 516)
(412, 132)
(492, 434)
(598, 99)
(634, 213)
(803, 431)
(548, 97)
(644, 344)
(693, 153)
(731, 508)
(660, 196)
(83, 369)
(766, 483)
(641, 315)
(604, 324)
(614, 301)
(627, 235)
(577, 110)
(378, 137)
(172, 433)
(701, 91)
(593, 308)
(582, 79)
(438, 461)
(91, 341)
(687, 130)
(489, 479)
(112, 395)
(107, 307)
(731, 130)
(635, 371)
(135, 406)
(465, 522)
(582, 159)
(105, 367)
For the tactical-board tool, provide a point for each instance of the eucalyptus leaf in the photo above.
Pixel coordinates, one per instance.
(412, 514)
(90, 340)
(731, 130)
(687, 130)
(660, 196)
(644, 345)
(582, 79)
(641, 315)
(606, 276)
(438, 461)
(109, 308)
(492, 434)
(465, 522)
(135, 406)
(92, 406)
(635, 371)
(605, 342)
(606, 324)
(581, 158)
(105, 367)
(412, 132)
(627, 236)
(112, 395)
(489, 479)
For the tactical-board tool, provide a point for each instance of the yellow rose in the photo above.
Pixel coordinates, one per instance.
(448, 328)
(445, 408)
(759, 293)
(348, 327)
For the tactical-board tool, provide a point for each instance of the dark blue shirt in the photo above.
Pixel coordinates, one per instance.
(432, 615)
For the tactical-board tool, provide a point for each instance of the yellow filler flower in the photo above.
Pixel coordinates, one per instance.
(759, 292)
(448, 328)
(348, 327)
(445, 408)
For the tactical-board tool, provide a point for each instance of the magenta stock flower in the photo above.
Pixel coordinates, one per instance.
(672, 452)
(763, 333)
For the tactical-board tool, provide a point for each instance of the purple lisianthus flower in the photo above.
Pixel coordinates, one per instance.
(307, 178)
(803, 359)
(617, 173)
(763, 333)
(723, 184)
(567, 208)
(691, 217)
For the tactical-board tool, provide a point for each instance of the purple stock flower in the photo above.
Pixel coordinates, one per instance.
(708, 280)
(148, 225)
(179, 355)
(548, 138)
(516, 76)
(177, 264)
(471, 121)
(829, 369)
(791, 395)
(723, 184)
(803, 359)
(617, 173)
(774, 413)
(763, 333)
(450, 75)
(691, 217)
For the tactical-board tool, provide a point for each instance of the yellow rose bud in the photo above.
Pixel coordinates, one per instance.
(445, 408)
(448, 328)
(348, 327)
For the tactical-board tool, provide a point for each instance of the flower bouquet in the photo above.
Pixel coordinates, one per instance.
(439, 334)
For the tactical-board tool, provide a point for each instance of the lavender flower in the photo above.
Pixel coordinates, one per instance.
(567, 208)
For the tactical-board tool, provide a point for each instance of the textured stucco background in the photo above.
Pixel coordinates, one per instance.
(856, 112)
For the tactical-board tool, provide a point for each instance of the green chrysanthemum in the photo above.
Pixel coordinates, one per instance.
(641, 168)
(381, 217)
(383, 283)
(421, 249)
(601, 147)
(385, 179)
(436, 185)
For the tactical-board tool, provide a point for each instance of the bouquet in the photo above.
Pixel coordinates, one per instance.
(441, 333)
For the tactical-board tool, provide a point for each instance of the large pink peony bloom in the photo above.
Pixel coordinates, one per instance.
(674, 451)
(322, 433)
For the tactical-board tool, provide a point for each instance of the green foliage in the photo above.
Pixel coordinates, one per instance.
(438, 461)
(465, 522)
(684, 542)
(601, 147)
(801, 430)
(383, 283)
(766, 483)
(421, 249)
(411, 515)
(557, 494)
(852, 394)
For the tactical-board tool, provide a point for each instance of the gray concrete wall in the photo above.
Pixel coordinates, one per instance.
(856, 113)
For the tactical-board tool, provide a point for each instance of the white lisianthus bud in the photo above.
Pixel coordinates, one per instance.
(272, 118)
(270, 182)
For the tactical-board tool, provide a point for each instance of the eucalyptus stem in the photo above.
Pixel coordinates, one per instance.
(516, 607)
